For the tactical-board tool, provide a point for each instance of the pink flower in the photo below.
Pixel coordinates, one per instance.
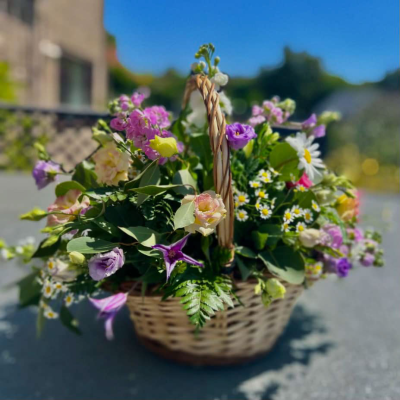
(347, 207)
(304, 181)
(69, 206)
(256, 110)
(209, 212)
(118, 124)
(157, 115)
(253, 121)
(137, 99)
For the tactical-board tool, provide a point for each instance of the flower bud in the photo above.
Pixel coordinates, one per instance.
(36, 214)
(101, 136)
(275, 289)
(167, 147)
(266, 299)
(77, 258)
(310, 237)
(117, 138)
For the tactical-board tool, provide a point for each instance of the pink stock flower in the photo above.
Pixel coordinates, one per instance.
(137, 99)
(69, 206)
(157, 115)
(304, 181)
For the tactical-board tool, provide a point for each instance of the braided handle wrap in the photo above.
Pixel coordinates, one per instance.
(220, 150)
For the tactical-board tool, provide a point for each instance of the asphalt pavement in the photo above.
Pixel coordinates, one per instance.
(342, 342)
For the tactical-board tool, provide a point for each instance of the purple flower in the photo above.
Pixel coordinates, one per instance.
(105, 264)
(45, 172)
(173, 253)
(157, 115)
(109, 307)
(367, 260)
(355, 234)
(334, 236)
(118, 124)
(137, 99)
(343, 266)
(239, 135)
(310, 125)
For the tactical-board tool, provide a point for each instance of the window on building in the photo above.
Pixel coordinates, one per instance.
(24, 10)
(75, 81)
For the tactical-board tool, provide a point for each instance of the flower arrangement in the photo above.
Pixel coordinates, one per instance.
(143, 210)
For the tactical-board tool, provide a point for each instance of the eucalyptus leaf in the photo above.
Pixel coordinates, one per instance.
(145, 236)
(88, 245)
(184, 216)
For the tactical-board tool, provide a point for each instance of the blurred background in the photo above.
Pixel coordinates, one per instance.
(61, 61)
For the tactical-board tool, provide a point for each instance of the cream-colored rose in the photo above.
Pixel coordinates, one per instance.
(61, 271)
(209, 211)
(111, 165)
(310, 237)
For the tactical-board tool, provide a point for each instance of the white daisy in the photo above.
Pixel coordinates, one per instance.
(314, 271)
(265, 212)
(300, 227)
(273, 171)
(51, 266)
(241, 215)
(297, 211)
(308, 217)
(241, 198)
(285, 227)
(315, 206)
(69, 299)
(50, 314)
(265, 176)
(262, 194)
(301, 188)
(58, 287)
(307, 153)
(48, 289)
(288, 216)
(273, 202)
(255, 184)
(43, 304)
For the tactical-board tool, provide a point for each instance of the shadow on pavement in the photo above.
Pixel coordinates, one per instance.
(63, 366)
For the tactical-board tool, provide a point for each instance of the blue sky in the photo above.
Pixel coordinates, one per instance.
(356, 39)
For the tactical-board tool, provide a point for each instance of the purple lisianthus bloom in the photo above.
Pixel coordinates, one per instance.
(239, 135)
(343, 266)
(45, 172)
(310, 125)
(367, 260)
(105, 264)
(109, 307)
(334, 236)
(173, 253)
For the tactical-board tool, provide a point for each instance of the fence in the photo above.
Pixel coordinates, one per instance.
(66, 134)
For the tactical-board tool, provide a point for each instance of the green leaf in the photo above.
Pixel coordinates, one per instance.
(184, 216)
(259, 239)
(63, 187)
(149, 252)
(52, 239)
(200, 144)
(153, 190)
(88, 245)
(106, 226)
(245, 252)
(46, 251)
(274, 233)
(285, 263)
(284, 159)
(150, 177)
(145, 236)
(184, 177)
(305, 199)
(85, 175)
(40, 321)
(29, 290)
(134, 183)
(244, 270)
(68, 320)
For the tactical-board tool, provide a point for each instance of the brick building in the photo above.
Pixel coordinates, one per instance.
(56, 50)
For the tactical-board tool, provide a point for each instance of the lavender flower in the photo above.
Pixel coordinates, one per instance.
(103, 265)
(239, 135)
(334, 236)
(173, 253)
(45, 172)
(310, 126)
(343, 266)
(367, 260)
(109, 308)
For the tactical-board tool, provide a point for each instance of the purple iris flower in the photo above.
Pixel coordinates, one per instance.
(105, 264)
(109, 308)
(239, 135)
(310, 125)
(45, 172)
(173, 253)
(343, 266)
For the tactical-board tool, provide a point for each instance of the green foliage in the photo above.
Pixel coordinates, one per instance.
(29, 290)
(284, 159)
(201, 296)
(64, 187)
(184, 216)
(145, 236)
(89, 245)
(68, 320)
(85, 175)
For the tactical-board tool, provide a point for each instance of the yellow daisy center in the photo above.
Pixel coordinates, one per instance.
(50, 265)
(301, 228)
(297, 211)
(255, 184)
(307, 156)
(242, 198)
(48, 289)
(288, 215)
(261, 194)
(241, 215)
(265, 211)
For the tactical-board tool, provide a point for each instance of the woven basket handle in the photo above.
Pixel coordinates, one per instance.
(220, 150)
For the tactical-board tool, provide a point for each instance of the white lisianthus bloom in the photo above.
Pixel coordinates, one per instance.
(225, 103)
(219, 79)
(198, 115)
(308, 154)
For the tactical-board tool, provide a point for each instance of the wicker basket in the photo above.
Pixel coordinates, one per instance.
(234, 335)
